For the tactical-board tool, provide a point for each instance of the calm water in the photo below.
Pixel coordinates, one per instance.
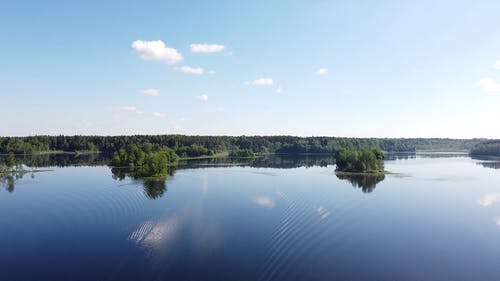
(438, 218)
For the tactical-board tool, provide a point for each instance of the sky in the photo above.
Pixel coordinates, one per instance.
(306, 68)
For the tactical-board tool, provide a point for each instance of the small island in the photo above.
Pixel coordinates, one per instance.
(146, 161)
(360, 161)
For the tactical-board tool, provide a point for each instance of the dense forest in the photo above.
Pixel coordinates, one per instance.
(491, 148)
(196, 146)
(241, 153)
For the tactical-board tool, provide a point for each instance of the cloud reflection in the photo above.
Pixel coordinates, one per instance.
(489, 199)
(264, 201)
(204, 184)
(190, 224)
(153, 234)
(322, 212)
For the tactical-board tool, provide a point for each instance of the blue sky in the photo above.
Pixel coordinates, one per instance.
(334, 68)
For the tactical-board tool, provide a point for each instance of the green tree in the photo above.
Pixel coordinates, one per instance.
(154, 163)
(11, 160)
(359, 160)
(241, 153)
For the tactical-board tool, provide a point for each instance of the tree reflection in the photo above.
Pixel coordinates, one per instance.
(492, 162)
(366, 182)
(154, 187)
(491, 165)
(60, 160)
(267, 161)
(9, 180)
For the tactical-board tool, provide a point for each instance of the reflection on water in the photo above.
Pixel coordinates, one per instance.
(367, 183)
(399, 156)
(245, 222)
(269, 161)
(492, 162)
(492, 165)
(264, 201)
(489, 199)
(61, 160)
(9, 180)
(154, 187)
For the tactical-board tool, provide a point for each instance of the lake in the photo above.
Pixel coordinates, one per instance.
(275, 218)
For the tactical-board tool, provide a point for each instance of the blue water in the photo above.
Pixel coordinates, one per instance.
(435, 218)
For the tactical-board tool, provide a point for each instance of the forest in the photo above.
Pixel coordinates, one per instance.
(197, 146)
(486, 148)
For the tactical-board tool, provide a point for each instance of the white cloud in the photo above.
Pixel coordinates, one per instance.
(264, 201)
(488, 85)
(151, 92)
(279, 90)
(156, 50)
(497, 64)
(131, 109)
(489, 199)
(202, 97)
(211, 72)
(322, 71)
(261, 82)
(158, 114)
(192, 70)
(497, 221)
(206, 48)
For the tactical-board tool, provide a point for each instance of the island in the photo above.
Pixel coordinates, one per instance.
(359, 161)
(145, 161)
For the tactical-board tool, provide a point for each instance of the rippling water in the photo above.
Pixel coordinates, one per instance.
(435, 218)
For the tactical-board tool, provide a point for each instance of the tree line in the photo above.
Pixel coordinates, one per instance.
(195, 146)
(486, 148)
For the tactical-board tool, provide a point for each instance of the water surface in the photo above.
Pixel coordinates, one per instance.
(278, 218)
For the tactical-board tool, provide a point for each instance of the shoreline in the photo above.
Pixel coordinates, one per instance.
(22, 172)
(379, 173)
